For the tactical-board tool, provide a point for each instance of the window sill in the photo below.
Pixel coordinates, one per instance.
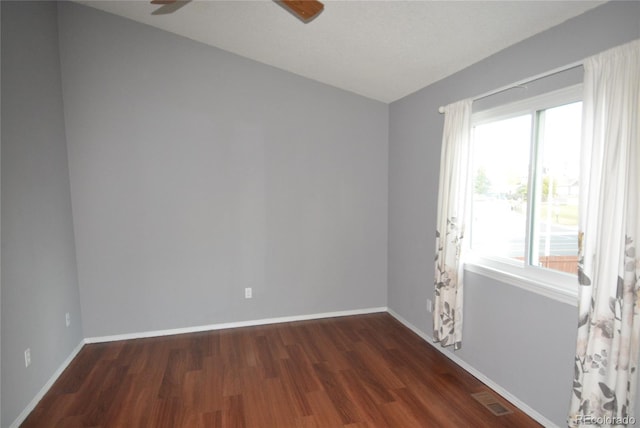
(570, 297)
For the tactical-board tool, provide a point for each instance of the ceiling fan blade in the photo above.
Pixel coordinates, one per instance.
(306, 10)
(169, 6)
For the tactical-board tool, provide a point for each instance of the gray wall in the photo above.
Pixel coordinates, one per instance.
(520, 340)
(196, 173)
(39, 278)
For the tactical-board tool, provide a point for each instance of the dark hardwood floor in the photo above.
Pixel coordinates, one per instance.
(359, 371)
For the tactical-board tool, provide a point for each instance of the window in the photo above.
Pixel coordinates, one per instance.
(524, 208)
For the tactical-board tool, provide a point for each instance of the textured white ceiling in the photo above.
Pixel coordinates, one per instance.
(380, 49)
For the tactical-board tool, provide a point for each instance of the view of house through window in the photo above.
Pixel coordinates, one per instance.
(525, 187)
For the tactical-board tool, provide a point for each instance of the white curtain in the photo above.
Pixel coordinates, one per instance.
(609, 315)
(452, 202)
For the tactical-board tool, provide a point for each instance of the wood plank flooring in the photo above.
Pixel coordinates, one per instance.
(356, 372)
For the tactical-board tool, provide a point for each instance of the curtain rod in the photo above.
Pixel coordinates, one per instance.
(525, 81)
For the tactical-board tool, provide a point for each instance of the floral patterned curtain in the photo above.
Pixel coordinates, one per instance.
(606, 359)
(452, 201)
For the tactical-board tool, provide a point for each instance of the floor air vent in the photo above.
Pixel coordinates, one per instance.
(492, 403)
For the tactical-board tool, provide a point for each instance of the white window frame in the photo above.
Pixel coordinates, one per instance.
(557, 285)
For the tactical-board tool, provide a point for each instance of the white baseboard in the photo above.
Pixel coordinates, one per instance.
(250, 323)
(32, 405)
(476, 373)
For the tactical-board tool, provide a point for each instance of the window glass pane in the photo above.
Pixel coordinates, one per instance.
(500, 176)
(555, 228)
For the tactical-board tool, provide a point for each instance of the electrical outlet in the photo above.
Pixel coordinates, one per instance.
(248, 293)
(429, 305)
(27, 357)
(67, 319)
